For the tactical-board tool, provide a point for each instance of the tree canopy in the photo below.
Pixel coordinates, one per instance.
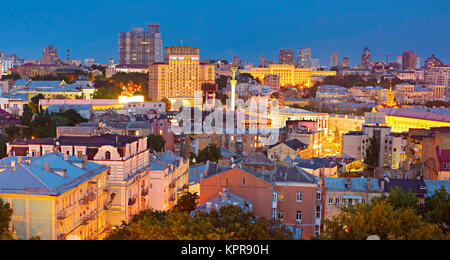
(358, 222)
(372, 153)
(227, 223)
(155, 142)
(210, 153)
(5, 218)
(42, 123)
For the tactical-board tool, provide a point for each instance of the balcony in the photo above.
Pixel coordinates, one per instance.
(84, 201)
(61, 215)
(131, 201)
(91, 196)
(172, 185)
(144, 192)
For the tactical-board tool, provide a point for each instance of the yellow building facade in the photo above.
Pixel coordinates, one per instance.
(65, 202)
(403, 124)
(289, 75)
(181, 74)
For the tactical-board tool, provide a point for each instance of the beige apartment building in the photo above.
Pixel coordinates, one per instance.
(180, 75)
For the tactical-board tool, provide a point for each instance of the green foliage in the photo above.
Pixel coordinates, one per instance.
(357, 80)
(437, 209)
(12, 76)
(36, 98)
(221, 82)
(358, 222)
(5, 218)
(168, 104)
(222, 97)
(210, 153)
(372, 153)
(112, 87)
(401, 200)
(3, 141)
(229, 223)
(187, 202)
(437, 103)
(43, 124)
(155, 142)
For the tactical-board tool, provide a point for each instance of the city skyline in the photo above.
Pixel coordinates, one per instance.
(246, 29)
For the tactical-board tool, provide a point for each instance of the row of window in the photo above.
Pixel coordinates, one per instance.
(299, 196)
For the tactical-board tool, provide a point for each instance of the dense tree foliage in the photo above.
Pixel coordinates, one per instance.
(397, 216)
(112, 87)
(437, 103)
(228, 223)
(372, 153)
(437, 210)
(357, 80)
(168, 104)
(41, 123)
(210, 153)
(5, 219)
(12, 76)
(358, 222)
(3, 141)
(155, 142)
(187, 202)
(221, 82)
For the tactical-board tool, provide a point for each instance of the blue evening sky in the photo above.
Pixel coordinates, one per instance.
(248, 28)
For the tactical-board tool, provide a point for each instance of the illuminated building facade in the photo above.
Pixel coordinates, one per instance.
(401, 120)
(139, 47)
(286, 57)
(366, 59)
(304, 58)
(289, 75)
(126, 156)
(409, 61)
(180, 75)
(55, 197)
(50, 56)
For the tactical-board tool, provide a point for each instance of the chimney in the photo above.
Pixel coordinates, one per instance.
(66, 157)
(19, 159)
(47, 167)
(85, 163)
(13, 165)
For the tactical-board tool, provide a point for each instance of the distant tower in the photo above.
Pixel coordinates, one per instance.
(68, 56)
(334, 60)
(366, 59)
(50, 55)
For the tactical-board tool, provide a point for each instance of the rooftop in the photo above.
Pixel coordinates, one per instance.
(30, 176)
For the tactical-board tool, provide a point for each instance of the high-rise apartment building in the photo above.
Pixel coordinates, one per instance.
(345, 62)
(366, 59)
(334, 60)
(50, 55)
(409, 61)
(180, 75)
(139, 47)
(304, 58)
(286, 57)
(315, 63)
